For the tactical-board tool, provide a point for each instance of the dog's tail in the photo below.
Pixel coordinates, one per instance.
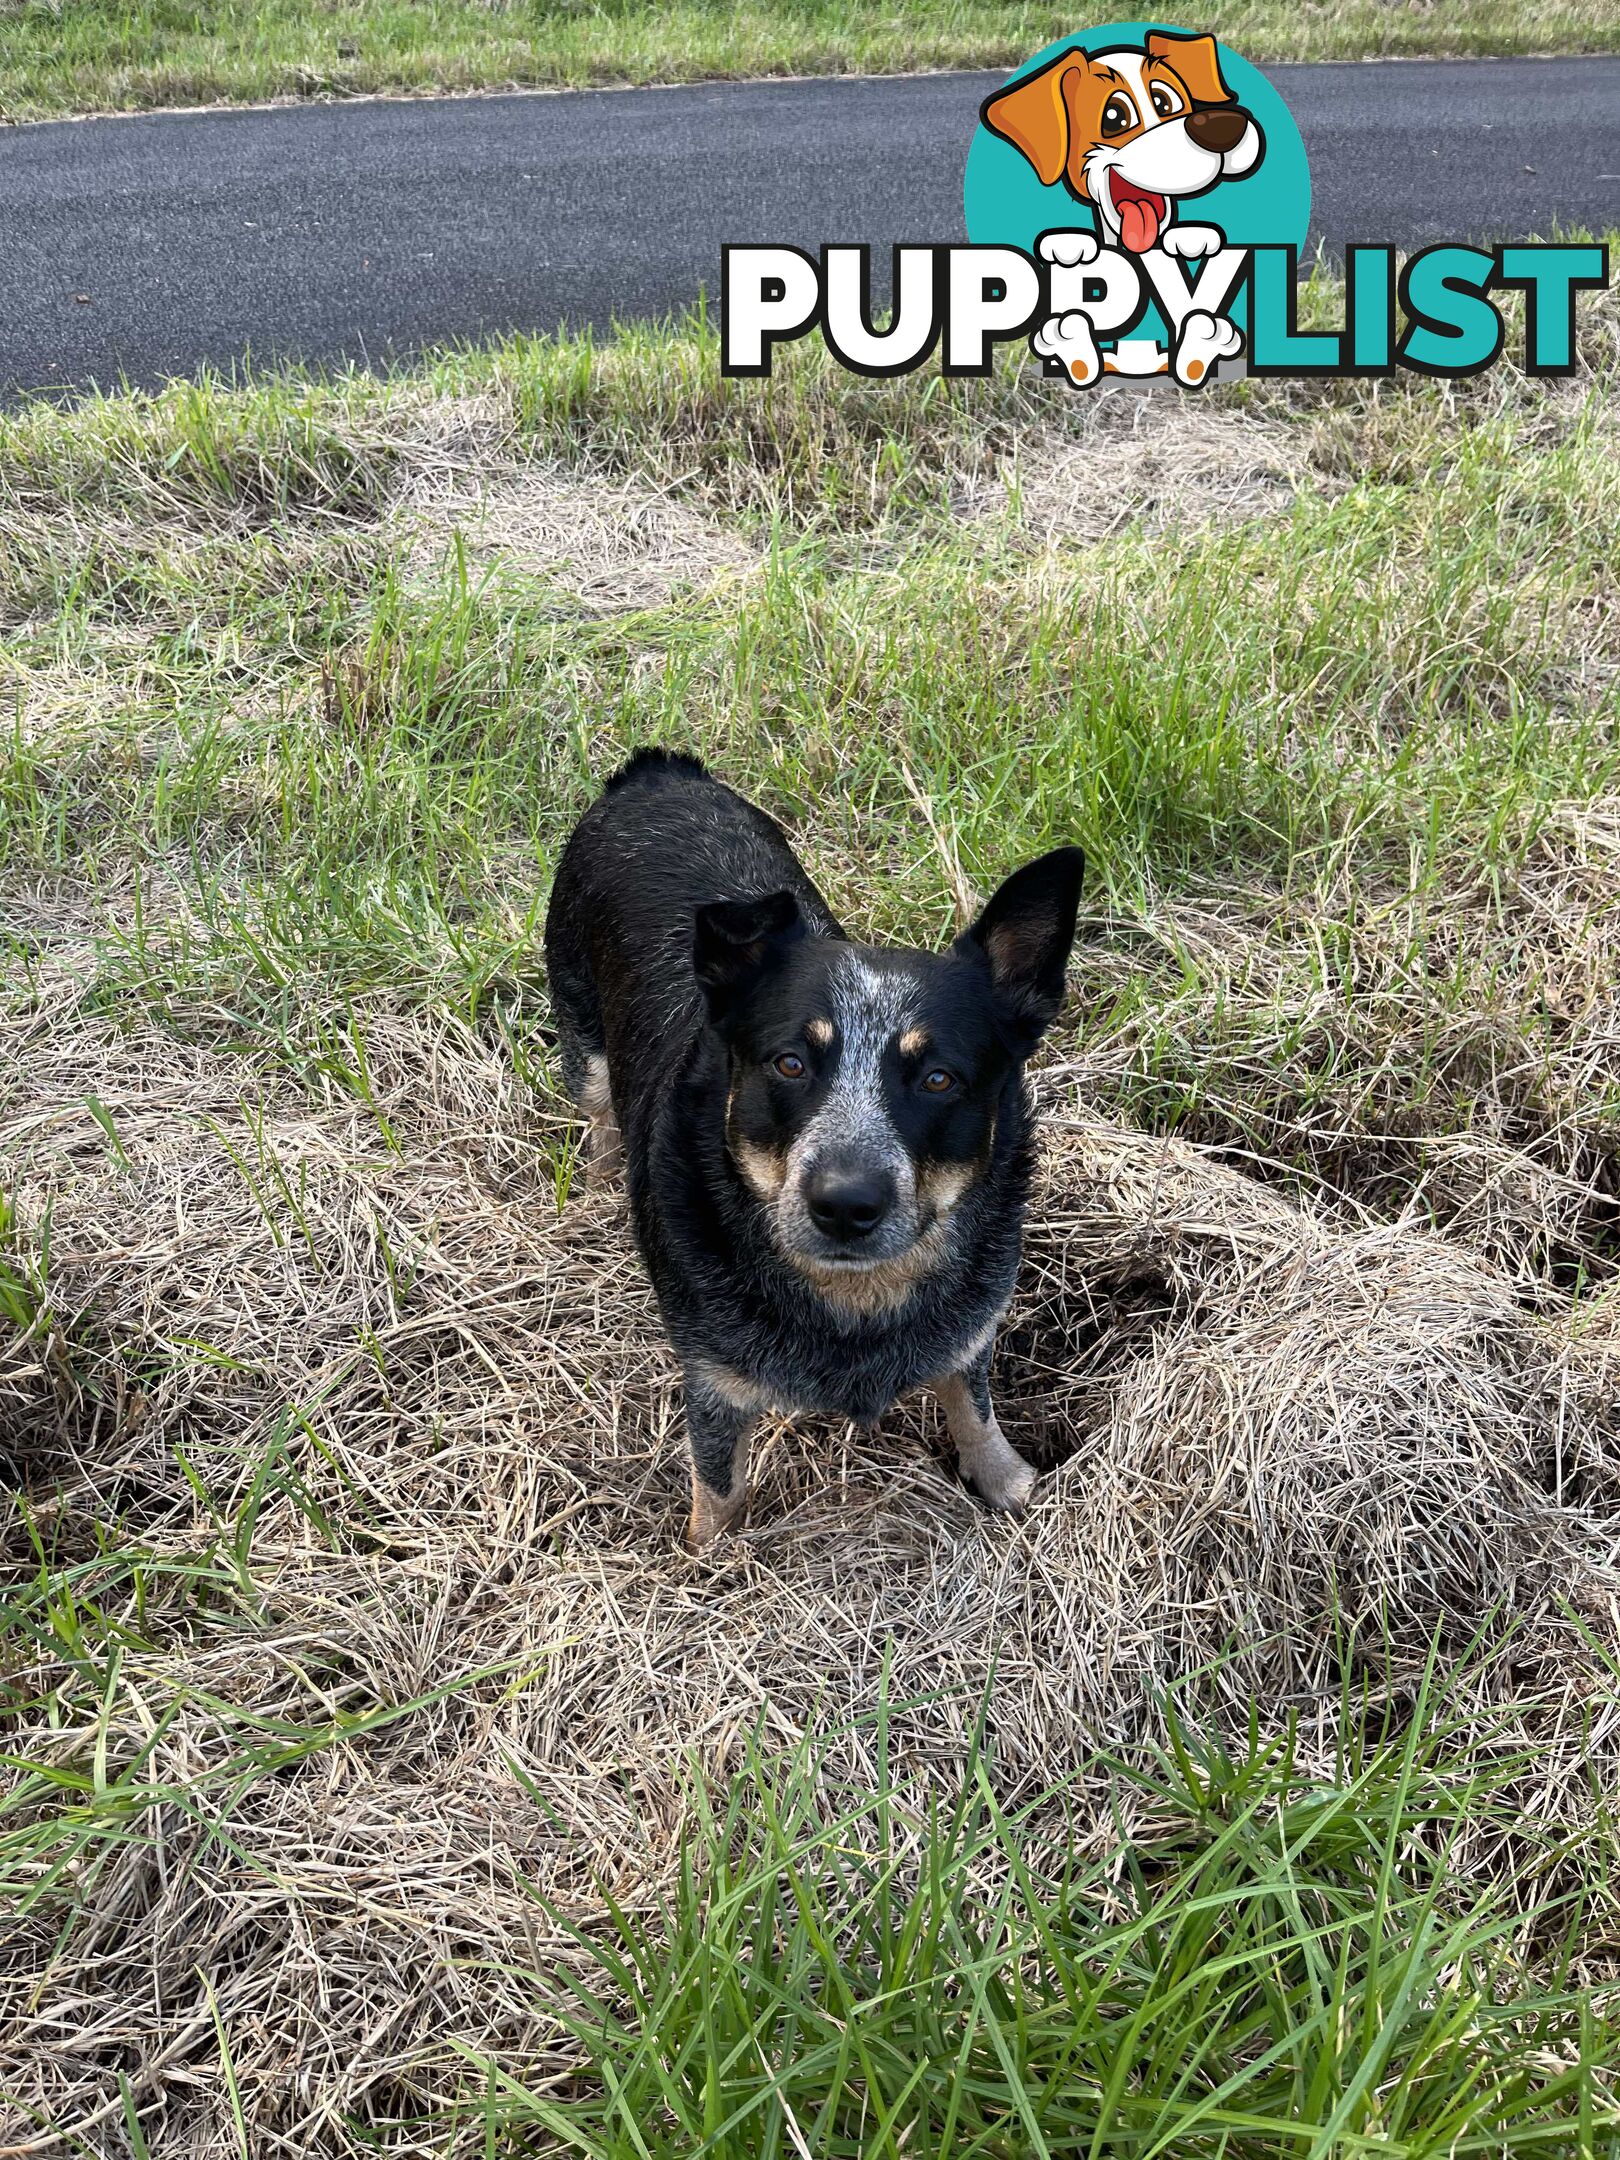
(652, 763)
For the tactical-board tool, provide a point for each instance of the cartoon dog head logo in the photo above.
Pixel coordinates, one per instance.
(1131, 131)
(1138, 163)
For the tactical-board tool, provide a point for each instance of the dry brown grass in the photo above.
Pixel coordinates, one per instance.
(344, 1545)
(1126, 457)
(461, 476)
(1278, 1444)
(609, 547)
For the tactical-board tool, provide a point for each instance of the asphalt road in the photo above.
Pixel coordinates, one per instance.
(139, 248)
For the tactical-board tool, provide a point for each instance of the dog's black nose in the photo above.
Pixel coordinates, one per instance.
(1217, 127)
(848, 1203)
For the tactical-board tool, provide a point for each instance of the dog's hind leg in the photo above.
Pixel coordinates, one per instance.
(720, 1413)
(582, 1050)
(988, 1460)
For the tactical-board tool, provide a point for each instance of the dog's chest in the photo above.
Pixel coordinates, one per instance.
(812, 1366)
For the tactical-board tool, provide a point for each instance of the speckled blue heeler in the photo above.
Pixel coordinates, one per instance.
(827, 1144)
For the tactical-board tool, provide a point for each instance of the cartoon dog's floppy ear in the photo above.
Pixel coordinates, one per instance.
(1033, 115)
(734, 941)
(1196, 61)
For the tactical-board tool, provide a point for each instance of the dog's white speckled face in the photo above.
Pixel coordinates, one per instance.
(903, 1120)
(863, 1095)
(865, 1080)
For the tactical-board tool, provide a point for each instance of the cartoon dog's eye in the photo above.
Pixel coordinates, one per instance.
(1118, 114)
(938, 1082)
(789, 1065)
(1165, 101)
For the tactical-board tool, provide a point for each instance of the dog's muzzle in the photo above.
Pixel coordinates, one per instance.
(848, 1207)
(1179, 157)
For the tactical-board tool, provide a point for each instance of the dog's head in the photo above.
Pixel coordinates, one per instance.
(1128, 132)
(864, 1080)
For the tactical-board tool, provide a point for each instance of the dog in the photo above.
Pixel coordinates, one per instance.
(827, 1144)
(1132, 134)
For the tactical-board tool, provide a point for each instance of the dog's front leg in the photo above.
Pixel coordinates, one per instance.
(719, 1421)
(606, 1157)
(988, 1459)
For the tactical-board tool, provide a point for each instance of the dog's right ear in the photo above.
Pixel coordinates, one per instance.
(1196, 60)
(1033, 115)
(1024, 932)
(735, 941)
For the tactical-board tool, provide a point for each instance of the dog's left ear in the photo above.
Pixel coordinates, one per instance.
(1025, 932)
(1033, 115)
(734, 941)
(1196, 61)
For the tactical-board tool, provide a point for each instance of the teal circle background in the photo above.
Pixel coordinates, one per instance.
(1005, 204)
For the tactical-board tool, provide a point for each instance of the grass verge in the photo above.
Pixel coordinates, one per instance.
(109, 55)
(357, 1693)
(1280, 1963)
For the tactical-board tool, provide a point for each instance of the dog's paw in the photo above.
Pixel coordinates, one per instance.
(1192, 241)
(1006, 1485)
(1204, 339)
(604, 1165)
(711, 1518)
(1068, 345)
(1071, 249)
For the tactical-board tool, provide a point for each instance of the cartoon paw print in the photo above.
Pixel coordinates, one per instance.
(1068, 345)
(1204, 340)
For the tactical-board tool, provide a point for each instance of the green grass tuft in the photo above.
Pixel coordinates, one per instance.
(67, 56)
(1276, 1963)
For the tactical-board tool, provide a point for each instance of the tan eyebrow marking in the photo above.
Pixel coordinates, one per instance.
(819, 1032)
(914, 1042)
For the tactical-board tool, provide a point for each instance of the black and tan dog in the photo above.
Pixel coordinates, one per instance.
(827, 1144)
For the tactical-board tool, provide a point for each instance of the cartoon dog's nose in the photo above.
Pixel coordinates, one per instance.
(848, 1201)
(1217, 127)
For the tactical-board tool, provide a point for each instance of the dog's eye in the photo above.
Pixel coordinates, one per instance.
(1118, 114)
(1164, 101)
(938, 1082)
(789, 1065)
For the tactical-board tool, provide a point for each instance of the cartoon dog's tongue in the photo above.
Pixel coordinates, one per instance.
(1139, 225)
(1140, 213)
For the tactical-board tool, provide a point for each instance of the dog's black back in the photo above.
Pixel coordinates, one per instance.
(776, 1086)
(662, 838)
